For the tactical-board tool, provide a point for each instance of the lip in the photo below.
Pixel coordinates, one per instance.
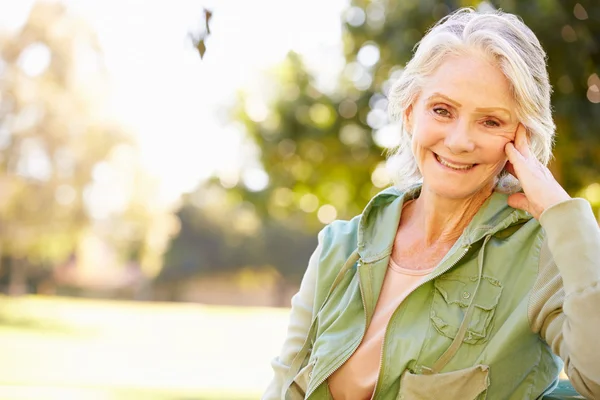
(450, 161)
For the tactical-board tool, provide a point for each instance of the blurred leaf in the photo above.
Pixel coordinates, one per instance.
(201, 47)
(207, 17)
(199, 39)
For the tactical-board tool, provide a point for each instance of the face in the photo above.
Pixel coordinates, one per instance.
(460, 123)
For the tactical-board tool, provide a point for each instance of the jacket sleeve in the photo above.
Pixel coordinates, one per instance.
(564, 305)
(298, 326)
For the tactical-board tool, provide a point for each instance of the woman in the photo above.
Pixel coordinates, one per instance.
(455, 284)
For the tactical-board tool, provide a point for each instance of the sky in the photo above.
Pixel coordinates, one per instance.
(171, 99)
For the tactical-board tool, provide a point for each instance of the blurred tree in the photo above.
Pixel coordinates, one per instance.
(317, 148)
(221, 234)
(51, 137)
(323, 151)
(331, 145)
(139, 224)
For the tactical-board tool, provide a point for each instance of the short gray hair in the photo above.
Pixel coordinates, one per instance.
(512, 46)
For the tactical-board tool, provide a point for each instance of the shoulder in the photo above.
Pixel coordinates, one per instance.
(341, 237)
(340, 234)
(337, 240)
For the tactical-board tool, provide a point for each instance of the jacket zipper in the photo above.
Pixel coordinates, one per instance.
(465, 250)
(344, 359)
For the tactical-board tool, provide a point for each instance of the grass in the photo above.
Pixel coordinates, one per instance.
(75, 349)
(62, 348)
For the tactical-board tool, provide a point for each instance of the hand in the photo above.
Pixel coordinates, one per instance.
(541, 190)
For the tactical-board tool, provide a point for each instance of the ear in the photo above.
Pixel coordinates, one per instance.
(408, 119)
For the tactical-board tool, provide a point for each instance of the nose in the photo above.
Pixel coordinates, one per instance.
(459, 140)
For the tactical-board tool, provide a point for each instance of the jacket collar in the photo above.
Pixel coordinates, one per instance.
(379, 221)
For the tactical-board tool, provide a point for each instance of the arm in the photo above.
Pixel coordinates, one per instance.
(565, 302)
(299, 324)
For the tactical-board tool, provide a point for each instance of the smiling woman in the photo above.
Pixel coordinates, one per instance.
(500, 66)
(458, 144)
(477, 276)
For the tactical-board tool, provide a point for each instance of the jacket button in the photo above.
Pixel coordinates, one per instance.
(466, 295)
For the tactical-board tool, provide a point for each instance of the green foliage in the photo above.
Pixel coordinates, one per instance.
(307, 148)
(222, 235)
(322, 144)
(321, 148)
(394, 28)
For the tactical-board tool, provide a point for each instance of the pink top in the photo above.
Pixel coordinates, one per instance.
(356, 379)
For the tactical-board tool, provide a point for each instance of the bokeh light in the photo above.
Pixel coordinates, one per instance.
(255, 179)
(34, 59)
(327, 213)
(368, 55)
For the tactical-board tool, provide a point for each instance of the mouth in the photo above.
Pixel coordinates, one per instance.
(453, 165)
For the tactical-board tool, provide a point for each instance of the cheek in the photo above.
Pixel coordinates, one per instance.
(420, 143)
(495, 154)
(426, 133)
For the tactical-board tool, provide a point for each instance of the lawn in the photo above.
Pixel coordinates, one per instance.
(75, 349)
(62, 348)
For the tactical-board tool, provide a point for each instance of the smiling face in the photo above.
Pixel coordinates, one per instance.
(460, 123)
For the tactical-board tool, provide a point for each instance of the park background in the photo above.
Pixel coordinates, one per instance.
(165, 168)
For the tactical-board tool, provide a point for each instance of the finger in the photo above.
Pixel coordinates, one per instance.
(521, 141)
(517, 165)
(519, 201)
(515, 157)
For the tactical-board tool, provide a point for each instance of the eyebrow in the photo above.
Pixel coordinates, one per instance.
(448, 99)
(458, 105)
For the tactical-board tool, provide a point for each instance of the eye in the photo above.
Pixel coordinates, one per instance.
(442, 112)
(490, 123)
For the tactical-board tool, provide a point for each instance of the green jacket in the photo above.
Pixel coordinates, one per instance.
(491, 321)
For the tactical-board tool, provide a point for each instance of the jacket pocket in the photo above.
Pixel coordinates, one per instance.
(465, 384)
(300, 383)
(451, 299)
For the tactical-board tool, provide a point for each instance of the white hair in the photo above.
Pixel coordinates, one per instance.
(505, 40)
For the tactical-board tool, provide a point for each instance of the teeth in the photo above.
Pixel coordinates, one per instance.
(453, 166)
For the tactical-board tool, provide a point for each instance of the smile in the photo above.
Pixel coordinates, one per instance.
(453, 165)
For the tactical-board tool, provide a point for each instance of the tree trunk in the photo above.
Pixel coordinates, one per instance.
(17, 284)
(281, 298)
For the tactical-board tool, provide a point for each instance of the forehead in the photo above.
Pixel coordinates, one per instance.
(471, 81)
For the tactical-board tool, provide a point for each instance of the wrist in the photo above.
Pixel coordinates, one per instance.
(559, 197)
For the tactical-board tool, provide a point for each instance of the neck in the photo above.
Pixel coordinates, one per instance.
(440, 220)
